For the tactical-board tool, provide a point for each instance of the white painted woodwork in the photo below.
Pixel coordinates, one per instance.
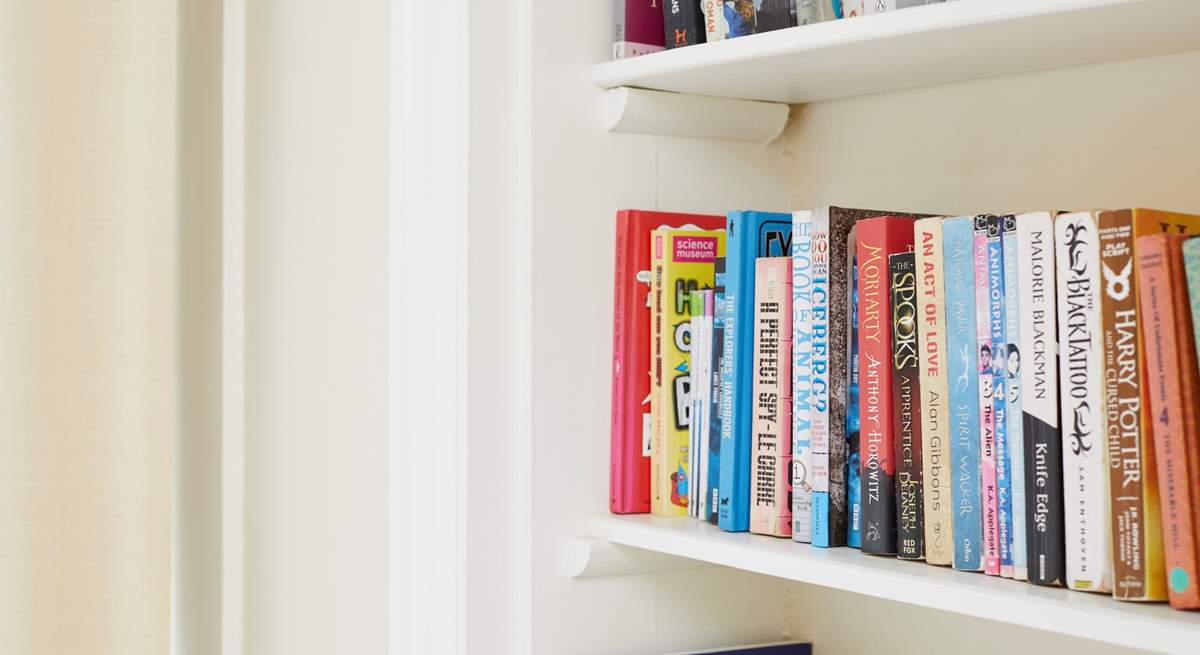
(638, 111)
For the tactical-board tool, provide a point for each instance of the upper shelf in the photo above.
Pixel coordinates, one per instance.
(1098, 617)
(933, 44)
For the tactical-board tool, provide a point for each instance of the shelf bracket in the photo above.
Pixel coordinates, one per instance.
(589, 558)
(639, 111)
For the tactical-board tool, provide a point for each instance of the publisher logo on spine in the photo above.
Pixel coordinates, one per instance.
(695, 249)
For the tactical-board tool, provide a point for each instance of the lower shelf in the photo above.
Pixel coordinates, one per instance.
(1098, 617)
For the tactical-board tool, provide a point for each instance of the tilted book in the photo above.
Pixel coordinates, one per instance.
(770, 476)
(1138, 564)
(682, 261)
(986, 229)
(877, 239)
(1014, 425)
(802, 415)
(629, 479)
(827, 530)
(1081, 362)
(996, 313)
(958, 250)
(683, 23)
(637, 28)
(1044, 542)
(934, 402)
(716, 392)
(1174, 392)
(751, 235)
(906, 407)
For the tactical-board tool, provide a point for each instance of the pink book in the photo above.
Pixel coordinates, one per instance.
(985, 226)
(770, 469)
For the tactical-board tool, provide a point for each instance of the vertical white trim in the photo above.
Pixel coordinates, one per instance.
(233, 329)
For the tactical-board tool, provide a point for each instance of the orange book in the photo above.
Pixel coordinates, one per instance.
(1174, 390)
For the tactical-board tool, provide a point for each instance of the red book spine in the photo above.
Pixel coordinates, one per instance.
(876, 240)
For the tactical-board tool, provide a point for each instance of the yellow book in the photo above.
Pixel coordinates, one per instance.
(681, 261)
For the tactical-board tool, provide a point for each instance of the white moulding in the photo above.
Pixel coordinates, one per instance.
(589, 558)
(640, 111)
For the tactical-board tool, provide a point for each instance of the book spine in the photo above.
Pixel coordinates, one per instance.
(906, 416)
(770, 511)
(801, 427)
(853, 422)
(774, 15)
(1014, 425)
(934, 405)
(714, 20)
(683, 23)
(996, 313)
(697, 357)
(1085, 492)
(660, 462)
(637, 28)
(984, 227)
(733, 510)
(816, 11)
(958, 249)
(717, 391)
(625, 450)
(827, 530)
(1045, 545)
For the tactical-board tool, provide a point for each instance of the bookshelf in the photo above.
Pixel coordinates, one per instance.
(920, 46)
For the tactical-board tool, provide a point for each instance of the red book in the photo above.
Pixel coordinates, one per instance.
(629, 478)
(876, 240)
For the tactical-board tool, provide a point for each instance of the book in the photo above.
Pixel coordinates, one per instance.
(683, 23)
(934, 405)
(1137, 552)
(828, 529)
(637, 28)
(958, 250)
(774, 15)
(699, 356)
(817, 11)
(1174, 392)
(986, 229)
(682, 261)
(1014, 425)
(771, 475)
(996, 314)
(629, 479)
(736, 19)
(852, 8)
(906, 404)
(717, 390)
(1081, 362)
(714, 20)
(853, 424)
(877, 239)
(751, 234)
(802, 352)
(1044, 544)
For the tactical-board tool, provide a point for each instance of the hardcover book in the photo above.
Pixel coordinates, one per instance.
(996, 314)
(682, 261)
(637, 28)
(958, 249)
(629, 479)
(771, 477)
(714, 412)
(934, 405)
(853, 425)
(877, 239)
(906, 404)
(1081, 360)
(1174, 392)
(751, 235)
(1014, 424)
(683, 23)
(775, 15)
(1044, 543)
(986, 229)
(823, 534)
(802, 352)
(1138, 564)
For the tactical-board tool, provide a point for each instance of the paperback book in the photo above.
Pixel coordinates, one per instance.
(906, 410)
(827, 529)
(1014, 423)
(770, 509)
(802, 353)
(716, 390)
(853, 424)
(683, 23)
(986, 229)
(996, 314)
(934, 405)
(637, 28)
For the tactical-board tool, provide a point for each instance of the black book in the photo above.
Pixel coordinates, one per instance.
(906, 413)
(683, 23)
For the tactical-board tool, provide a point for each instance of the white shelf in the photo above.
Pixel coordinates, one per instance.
(934, 44)
(1079, 614)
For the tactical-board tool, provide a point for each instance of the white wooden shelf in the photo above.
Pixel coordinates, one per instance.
(1092, 616)
(934, 44)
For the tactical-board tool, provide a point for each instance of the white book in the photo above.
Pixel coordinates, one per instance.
(1081, 361)
(802, 433)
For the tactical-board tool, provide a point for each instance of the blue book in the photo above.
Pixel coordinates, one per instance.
(1012, 385)
(958, 248)
(714, 421)
(853, 422)
(996, 307)
(749, 235)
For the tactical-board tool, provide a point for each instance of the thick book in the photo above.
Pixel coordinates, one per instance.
(1138, 564)
(771, 475)
(802, 369)
(1045, 549)
(683, 23)
(774, 15)
(906, 407)
(996, 314)
(637, 28)
(1174, 391)
(958, 250)
(986, 229)
(827, 530)
(1081, 363)
(681, 261)
(877, 239)
(751, 234)
(629, 479)
(716, 391)
(853, 424)
(1015, 423)
(934, 385)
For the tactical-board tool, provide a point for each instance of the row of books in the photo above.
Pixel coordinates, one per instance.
(897, 382)
(644, 26)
